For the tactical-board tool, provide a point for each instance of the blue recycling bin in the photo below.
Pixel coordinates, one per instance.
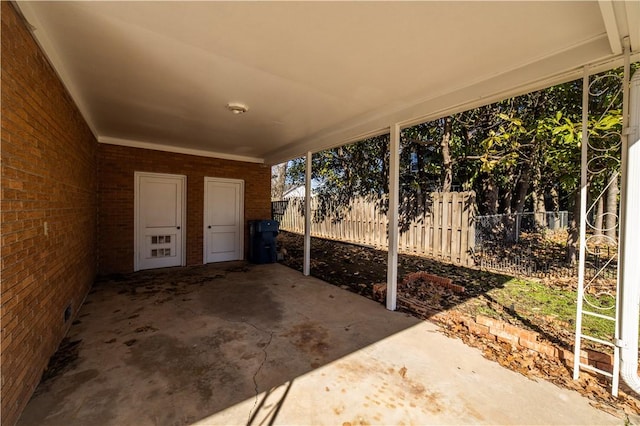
(262, 241)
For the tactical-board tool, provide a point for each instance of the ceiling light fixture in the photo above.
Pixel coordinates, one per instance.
(237, 108)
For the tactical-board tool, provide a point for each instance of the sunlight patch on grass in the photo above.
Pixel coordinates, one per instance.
(535, 301)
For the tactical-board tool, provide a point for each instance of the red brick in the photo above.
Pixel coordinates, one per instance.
(116, 168)
(48, 173)
(379, 292)
(528, 335)
(599, 356)
(490, 322)
(479, 330)
(467, 321)
(503, 336)
(548, 350)
(604, 366)
(527, 343)
(520, 332)
(566, 355)
(544, 349)
(54, 170)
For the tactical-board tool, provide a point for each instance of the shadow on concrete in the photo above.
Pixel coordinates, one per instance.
(270, 415)
(261, 344)
(357, 268)
(178, 345)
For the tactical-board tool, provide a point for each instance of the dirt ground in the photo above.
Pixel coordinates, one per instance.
(357, 268)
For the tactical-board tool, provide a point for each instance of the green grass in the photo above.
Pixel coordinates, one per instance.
(487, 311)
(535, 301)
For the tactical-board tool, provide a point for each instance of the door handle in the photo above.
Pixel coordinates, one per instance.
(209, 226)
(177, 227)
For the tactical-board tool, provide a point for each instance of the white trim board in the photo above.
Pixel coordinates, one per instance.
(177, 149)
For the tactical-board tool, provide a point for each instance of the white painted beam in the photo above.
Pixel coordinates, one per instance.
(306, 269)
(632, 9)
(629, 268)
(583, 224)
(611, 25)
(177, 149)
(394, 195)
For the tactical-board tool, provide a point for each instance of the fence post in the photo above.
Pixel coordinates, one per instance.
(456, 219)
(464, 229)
(471, 226)
(437, 225)
(306, 267)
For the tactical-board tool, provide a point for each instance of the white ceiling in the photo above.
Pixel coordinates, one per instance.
(313, 74)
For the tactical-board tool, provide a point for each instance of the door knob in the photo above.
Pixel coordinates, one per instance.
(177, 227)
(209, 226)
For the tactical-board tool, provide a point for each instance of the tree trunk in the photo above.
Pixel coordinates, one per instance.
(574, 230)
(345, 166)
(507, 199)
(447, 163)
(523, 188)
(611, 207)
(384, 154)
(555, 200)
(491, 196)
(597, 220)
(422, 190)
(555, 206)
(278, 179)
(539, 209)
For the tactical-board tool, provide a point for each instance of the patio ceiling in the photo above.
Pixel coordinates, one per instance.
(313, 74)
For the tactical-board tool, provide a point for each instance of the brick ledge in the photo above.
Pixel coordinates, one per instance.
(498, 330)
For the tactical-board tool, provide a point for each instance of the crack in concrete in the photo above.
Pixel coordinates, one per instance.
(351, 324)
(255, 375)
(264, 360)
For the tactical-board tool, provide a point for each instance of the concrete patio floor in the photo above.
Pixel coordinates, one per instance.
(261, 344)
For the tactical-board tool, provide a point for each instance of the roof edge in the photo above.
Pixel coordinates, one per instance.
(560, 68)
(178, 150)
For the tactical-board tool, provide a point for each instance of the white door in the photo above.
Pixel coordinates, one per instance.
(159, 215)
(223, 220)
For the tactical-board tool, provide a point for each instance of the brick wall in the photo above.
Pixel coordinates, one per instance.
(116, 168)
(500, 331)
(48, 176)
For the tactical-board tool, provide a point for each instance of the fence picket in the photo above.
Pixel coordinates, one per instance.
(455, 227)
(445, 231)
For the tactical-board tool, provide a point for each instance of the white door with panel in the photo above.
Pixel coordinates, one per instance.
(160, 212)
(223, 220)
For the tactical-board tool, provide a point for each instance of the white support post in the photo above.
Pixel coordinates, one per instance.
(306, 269)
(629, 268)
(394, 194)
(583, 220)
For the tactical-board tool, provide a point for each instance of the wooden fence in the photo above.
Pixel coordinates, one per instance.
(444, 232)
